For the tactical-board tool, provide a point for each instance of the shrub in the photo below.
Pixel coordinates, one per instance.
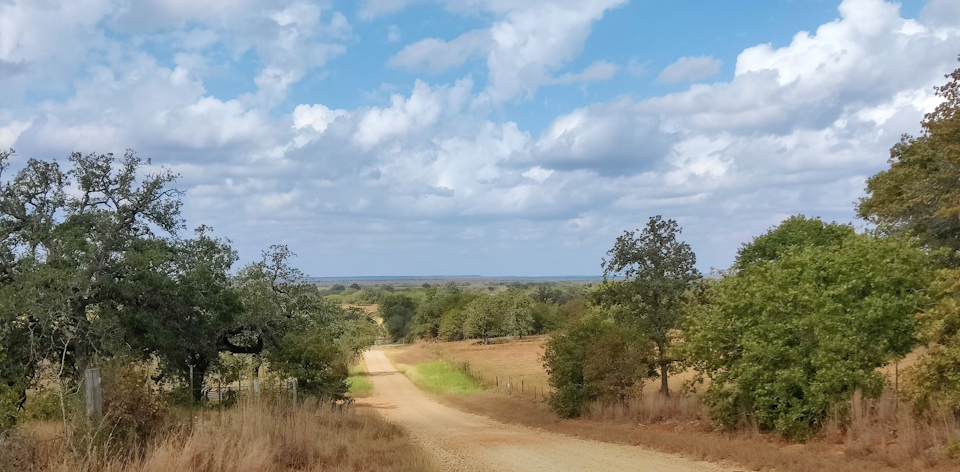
(591, 360)
(787, 342)
(44, 405)
(132, 412)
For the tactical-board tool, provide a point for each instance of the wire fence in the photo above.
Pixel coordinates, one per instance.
(505, 384)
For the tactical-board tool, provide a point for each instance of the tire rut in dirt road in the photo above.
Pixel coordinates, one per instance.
(466, 442)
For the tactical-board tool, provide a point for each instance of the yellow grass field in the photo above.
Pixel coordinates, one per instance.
(517, 360)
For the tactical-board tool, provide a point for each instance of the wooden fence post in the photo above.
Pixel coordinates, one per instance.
(94, 394)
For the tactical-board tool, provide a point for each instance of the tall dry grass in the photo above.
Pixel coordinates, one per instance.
(650, 409)
(886, 430)
(879, 436)
(256, 435)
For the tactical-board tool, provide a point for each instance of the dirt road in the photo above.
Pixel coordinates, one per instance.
(466, 442)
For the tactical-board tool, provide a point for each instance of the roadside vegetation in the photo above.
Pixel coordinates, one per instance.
(256, 434)
(785, 358)
(358, 386)
(440, 377)
(202, 366)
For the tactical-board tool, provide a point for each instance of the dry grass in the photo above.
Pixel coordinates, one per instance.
(506, 359)
(880, 436)
(370, 309)
(519, 360)
(254, 436)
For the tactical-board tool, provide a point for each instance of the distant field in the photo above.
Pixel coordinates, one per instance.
(372, 308)
(516, 360)
(519, 360)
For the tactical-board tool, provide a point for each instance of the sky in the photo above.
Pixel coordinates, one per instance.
(479, 137)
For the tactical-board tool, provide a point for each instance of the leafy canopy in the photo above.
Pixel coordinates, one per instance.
(920, 193)
(657, 270)
(786, 342)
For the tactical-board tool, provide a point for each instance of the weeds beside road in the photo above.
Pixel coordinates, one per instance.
(256, 435)
(881, 436)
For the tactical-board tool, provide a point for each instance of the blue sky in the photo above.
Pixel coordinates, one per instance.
(491, 137)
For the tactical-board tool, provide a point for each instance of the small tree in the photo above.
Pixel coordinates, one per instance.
(657, 270)
(594, 358)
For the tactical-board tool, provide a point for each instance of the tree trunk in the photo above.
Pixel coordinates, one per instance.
(662, 351)
(664, 388)
(199, 372)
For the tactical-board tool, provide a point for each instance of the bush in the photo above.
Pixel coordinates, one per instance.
(132, 411)
(311, 357)
(594, 359)
(787, 342)
(44, 405)
(934, 381)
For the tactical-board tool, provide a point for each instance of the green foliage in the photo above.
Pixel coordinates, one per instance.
(62, 264)
(515, 308)
(505, 313)
(919, 192)
(313, 358)
(786, 342)
(43, 405)
(438, 313)
(545, 294)
(185, 305)
(9, 401)
(426, 320)
(595, 358)
(657, 270)
(362, 296)
(397, 311)
(546, 317)
(792, 232)
(306, 337)
(935, 378)
(451, 325)
(481, 319)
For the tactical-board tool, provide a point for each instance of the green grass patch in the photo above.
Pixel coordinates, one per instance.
(357, 381)
(441, 377)
(359, 386)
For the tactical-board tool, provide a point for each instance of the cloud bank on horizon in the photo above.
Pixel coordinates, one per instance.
(492, 137)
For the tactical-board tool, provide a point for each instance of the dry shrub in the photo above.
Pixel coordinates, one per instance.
(650, 409)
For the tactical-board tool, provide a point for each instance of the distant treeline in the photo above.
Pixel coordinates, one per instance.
(452, 312)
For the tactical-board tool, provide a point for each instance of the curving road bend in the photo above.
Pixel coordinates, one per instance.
(462, 441)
